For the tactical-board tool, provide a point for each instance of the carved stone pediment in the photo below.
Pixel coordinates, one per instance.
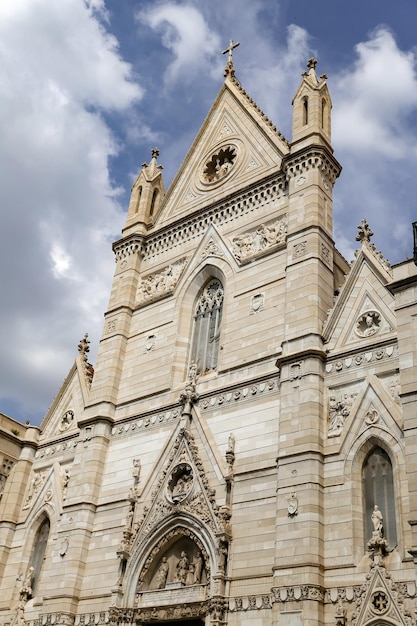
(380, 597)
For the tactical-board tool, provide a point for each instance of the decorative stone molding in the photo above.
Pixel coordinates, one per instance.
(300, 249)
(360, 359)
(207, 402)
(211, 249)
(199, 500)
(298, 593)
(258, 241)
(310, 159)
(129, 246)
(238, 394)
(257, 303)
(66, 447)
(222, 213)
(250, 603)
(156, 286)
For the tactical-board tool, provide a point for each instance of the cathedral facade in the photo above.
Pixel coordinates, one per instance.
(245, 450)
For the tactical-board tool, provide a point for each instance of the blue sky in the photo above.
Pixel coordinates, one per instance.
(88, 88)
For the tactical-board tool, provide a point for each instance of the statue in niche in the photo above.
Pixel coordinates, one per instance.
(378, 522)
(136, 469)
(198, 568)
(181, 482)
(162, 574)
(26, 590)
(182, 568)
(190, 577)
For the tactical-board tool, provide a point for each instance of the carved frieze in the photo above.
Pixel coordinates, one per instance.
(340, 404)
(258, 241)
(160, 284)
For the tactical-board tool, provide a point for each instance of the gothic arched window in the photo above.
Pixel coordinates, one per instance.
(207, 324)
(378, 490)
(38, 555)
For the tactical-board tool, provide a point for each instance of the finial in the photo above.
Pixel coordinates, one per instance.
(155, 153)
(311, 63)
(364, 232)
(84, 346)
(229, 69)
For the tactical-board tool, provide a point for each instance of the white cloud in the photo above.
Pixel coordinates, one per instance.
(375, 140)
(186, 33)
(374, 97)
(60, 71)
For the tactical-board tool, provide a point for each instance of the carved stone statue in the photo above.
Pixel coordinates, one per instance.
(26, 590)
(198, 568)
(378, 522)
(136, 469)
(182, 568)
(162, 574)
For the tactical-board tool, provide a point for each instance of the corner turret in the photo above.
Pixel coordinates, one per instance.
(311, 122)
(147, 193)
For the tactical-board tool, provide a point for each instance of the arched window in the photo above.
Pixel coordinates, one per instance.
(207, 324)
(138, 198)
(153, 202)
(378, 489)
(324, 114)
(38, 554)
(305, 110)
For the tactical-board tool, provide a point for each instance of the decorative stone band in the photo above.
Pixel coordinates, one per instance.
(360, 359)
(312, 158)
(127, 246)
(221, 213)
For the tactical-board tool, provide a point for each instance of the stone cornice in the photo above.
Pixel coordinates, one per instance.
(208, 401)
(128, 245)
(312, 157)
(221, 213)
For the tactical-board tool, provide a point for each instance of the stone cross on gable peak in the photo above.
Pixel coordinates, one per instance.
(229, 69)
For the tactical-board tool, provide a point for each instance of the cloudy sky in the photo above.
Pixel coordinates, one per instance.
(88, 87)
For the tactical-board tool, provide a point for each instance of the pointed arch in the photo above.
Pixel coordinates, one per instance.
(208, 312)
(176, 534)
(197, 275)
(378, 490)
(361, 449)
(41, 534)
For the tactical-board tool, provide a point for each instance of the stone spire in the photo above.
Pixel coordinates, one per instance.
(147, 193)
(312, 109)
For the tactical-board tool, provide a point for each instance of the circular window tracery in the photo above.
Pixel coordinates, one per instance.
(219, 164)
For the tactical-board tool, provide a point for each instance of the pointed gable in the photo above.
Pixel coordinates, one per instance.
(236, 143)
(364, 311)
